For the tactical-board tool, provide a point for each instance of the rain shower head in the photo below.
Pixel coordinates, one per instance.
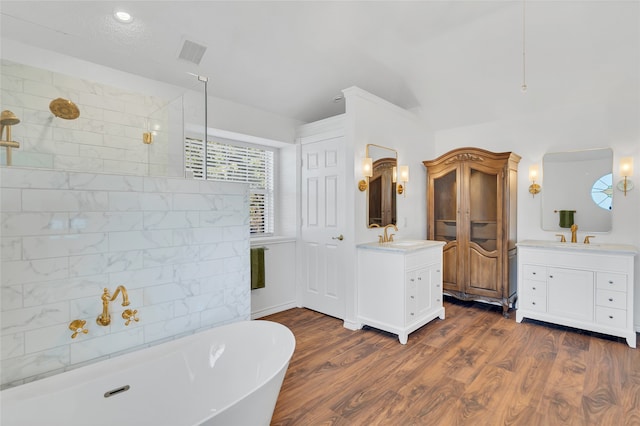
(64, 108)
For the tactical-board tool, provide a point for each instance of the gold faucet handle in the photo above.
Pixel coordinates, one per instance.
(128, 315)
(562, 238)
(391, 237)
(77, 326)
(380, 239)
(587, 240)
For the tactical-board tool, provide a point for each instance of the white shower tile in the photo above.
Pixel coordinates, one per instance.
(184, 186)
(105, 345)
(10, 200)
(174, 326)
(63, 201)
(38, 363)
(36, 294)
(12, 345)
(169, 255)
(105, 221)
(11, 297)
(33, 178)
(105, 263)
(67, 162)
(196, 202)
(63, 245)
(10, 248)
(170, 220)
(135, 240)
(105, 182)
(197, 235)
(20, 320)
(16, 272)
(143, 277)
(222, 218)
(201, 269)
(29, 223)
(46, 338)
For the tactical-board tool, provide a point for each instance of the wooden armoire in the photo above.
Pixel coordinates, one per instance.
(471, 206)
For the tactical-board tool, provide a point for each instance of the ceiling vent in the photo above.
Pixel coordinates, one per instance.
(192, 52)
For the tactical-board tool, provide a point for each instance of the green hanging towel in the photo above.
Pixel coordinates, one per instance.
(566, 218)
(257, 268)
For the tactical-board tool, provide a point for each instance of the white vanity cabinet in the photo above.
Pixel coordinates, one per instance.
(400, 285)
(586, 286)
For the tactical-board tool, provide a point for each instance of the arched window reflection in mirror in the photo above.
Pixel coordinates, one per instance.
(602, 191)
(381, 193)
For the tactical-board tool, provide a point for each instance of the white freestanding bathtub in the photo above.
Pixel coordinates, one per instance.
(229, 375)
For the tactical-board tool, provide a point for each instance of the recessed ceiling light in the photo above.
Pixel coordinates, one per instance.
(123, 16)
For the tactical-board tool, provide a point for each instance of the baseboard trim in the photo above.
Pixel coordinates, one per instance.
(273, 310)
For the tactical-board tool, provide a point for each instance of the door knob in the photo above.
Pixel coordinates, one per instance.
(339, 237)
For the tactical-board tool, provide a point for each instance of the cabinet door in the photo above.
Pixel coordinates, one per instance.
(571, 293)
(481, 211)
(443, 226)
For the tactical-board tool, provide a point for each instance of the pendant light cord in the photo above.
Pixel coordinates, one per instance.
(524, 67)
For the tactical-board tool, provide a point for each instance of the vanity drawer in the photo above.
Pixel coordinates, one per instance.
(533, 303)
(534, 288)
(609, 281)
(422, 258)
(611, 317)
(534, 272)
(611, 299)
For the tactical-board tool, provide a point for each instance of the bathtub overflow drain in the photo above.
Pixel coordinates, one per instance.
(116, 391)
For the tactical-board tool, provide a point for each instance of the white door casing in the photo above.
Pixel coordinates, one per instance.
(323, 248)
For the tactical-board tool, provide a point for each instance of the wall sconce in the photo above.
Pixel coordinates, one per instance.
(626, 170)
(534, 188)
(404, 178)
(367, 172)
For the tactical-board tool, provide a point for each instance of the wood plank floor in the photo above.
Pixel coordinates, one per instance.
(473, 368)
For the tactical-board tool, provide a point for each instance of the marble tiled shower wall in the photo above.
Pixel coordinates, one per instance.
(181, 248)
(107, 137)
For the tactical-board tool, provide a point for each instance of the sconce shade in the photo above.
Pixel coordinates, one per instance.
(367, 167)
(533, 172)
(626, 166)
(404, 173)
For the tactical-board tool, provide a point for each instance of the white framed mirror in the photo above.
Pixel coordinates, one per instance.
(381, 191)
(579, 182)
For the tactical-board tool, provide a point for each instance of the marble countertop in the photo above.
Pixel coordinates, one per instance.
(592, 247)
(401, 245)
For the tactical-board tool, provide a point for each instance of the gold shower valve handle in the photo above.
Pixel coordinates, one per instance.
(129, 315)
(77, 326)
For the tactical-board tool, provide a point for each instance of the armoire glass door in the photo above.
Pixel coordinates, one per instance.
(445, 225)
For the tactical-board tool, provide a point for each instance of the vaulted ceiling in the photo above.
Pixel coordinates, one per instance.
(455, 62)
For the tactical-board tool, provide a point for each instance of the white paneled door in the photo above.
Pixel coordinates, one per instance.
(323, 221)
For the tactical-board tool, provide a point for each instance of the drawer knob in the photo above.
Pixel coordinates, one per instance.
(533, 303)
(533, 288)
(412, 280)
(534, 273)
(419, 278)
(412, 297)
(610, 281)
(438, 285)
(411, 313)
(550, 276)
(611, 299)
(610, 316)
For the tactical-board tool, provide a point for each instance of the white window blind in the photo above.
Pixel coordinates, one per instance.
(238, 163)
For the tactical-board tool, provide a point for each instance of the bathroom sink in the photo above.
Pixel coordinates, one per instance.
(609, 247)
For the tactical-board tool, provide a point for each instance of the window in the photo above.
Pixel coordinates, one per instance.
(602, 191)
(229, 162)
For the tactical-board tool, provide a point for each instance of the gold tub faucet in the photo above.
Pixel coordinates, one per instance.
(105, 318)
